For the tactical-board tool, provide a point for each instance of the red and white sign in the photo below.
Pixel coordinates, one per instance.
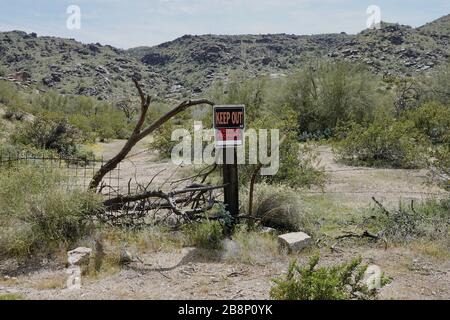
(229, 137)
(229, 124)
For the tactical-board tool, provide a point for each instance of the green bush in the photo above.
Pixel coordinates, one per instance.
(46, 134)
(38, 215)
(162, 140)
(385, 143)
(433, 120)
(435, 87)
(206, 235)
(341, 282)
(91, 117)
(3, 71)
(260, 96)
(9, 96)
(328, 92)
(10, 296)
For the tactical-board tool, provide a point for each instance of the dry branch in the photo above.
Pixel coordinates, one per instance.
(139, 133)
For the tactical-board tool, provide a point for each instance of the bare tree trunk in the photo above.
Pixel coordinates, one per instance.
(139, 133)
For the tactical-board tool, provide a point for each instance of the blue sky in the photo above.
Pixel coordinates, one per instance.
(130, 23)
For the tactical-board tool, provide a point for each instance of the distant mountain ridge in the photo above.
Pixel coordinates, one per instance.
(190, 64)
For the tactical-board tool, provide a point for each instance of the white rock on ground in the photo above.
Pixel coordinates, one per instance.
(79, 256)
(372, 277)
(295, 241)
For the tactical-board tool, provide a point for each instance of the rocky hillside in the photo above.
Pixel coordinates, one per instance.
(439, 29)
(188, 65)
(195, 61)
(71, 67)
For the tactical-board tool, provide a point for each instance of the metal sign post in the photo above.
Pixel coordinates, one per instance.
(229, 125)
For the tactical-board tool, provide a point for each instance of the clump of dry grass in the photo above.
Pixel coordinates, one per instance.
(146, 240)
(279, 207)
(437, 250)
(251, 247)
(51, 282)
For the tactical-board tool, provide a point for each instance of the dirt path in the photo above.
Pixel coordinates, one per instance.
(141, 165)
(355, 186)
(185, 275)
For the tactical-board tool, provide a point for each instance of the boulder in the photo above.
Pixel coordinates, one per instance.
(79, 256)
(295, 241)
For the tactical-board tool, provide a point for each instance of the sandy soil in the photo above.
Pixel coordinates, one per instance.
(184, 275)
(187, 274)
(355, 186)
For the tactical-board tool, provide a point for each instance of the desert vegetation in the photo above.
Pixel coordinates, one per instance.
(369, 121)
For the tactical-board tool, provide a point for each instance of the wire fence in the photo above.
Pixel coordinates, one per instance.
(77, 172)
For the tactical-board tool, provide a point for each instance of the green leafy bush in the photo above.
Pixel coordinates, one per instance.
(38, 215)
(9, 96)
(327, 92)
(206, 235)
(93, 118)
(162, 140)
(261, 98)
(435, 87)
(386, 143)
(433, 120)
(341, 282)
(46, 134)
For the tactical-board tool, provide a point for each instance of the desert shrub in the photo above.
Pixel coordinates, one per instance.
(407, 96)
(94, 119)
(388, 143)
(279, 207)
(206, 235)
(435, 86)
(340, 282)
(8, 93)
(3, 71)
(109, 123)
(12, 150)
(47, 134)
(37, 215)
(296, 164)
(327, 92)
(440, 165)
(429, 220)
(433, 120)
(162, 140)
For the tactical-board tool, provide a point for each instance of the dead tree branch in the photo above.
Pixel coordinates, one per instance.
(139, 132)
(383, 209)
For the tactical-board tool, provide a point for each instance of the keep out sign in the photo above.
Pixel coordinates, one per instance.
(229, 124)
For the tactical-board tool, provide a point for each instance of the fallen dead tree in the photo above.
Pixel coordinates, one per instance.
(188, 203)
